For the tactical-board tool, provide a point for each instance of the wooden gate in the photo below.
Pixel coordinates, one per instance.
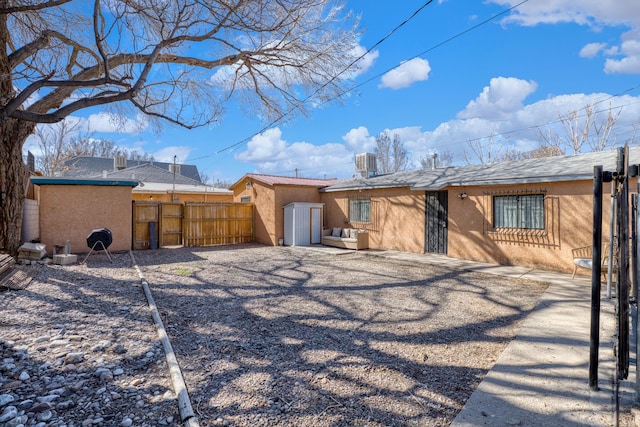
(191, 224)
(143, 214)
(436, 221)
(218, 224)
(171, 224)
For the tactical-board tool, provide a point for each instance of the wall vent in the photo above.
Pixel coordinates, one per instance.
(366, 164)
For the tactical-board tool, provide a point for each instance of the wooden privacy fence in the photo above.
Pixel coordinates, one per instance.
(191, 224)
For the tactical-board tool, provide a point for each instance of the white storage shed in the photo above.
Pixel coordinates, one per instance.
(303, 223)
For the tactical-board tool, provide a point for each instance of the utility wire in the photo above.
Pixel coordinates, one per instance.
(347, 68)
(413, 15)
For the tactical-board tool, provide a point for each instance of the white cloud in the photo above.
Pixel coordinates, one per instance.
(271, 154)
(267, 146)
(406, 74)
(583, 12)
(112, 123)
(516, 125)
(592, 49)
(359, 141)
(630, 49)
(501, 98)
(367, 61)
(166, 154)
(593, 13)
(520, 130)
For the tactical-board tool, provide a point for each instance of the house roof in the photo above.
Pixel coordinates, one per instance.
(164, 188)
(93, 166)
(286, 180)
(152, 173)
(546, 169)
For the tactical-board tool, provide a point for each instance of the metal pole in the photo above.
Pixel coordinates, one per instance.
(595, 278)
(636, 256)
(612, 219)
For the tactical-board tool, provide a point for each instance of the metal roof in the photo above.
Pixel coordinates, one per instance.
(148, 173)
(287, 180)
(547, 169)
(93, 166)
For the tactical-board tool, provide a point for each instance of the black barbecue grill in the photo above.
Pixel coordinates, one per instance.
(99, 239)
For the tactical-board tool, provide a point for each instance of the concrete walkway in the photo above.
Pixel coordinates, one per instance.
(541, 378)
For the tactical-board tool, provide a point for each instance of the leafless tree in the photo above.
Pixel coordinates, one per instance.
(443, 159)
(178, 61)
(53, 146)
(391, 154)
(484, 151)
(400, 154)
(383, 152)
(581, 130)
(62, 141)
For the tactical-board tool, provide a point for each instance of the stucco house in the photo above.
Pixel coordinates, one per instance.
(530, 212)
(69, 208)
(270, 194)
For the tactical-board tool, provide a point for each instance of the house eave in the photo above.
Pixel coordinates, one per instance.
(43, 180)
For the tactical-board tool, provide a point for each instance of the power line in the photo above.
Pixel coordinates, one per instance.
(413, 15)
(347, 68)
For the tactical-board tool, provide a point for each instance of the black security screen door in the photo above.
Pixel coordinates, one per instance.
(435, 227)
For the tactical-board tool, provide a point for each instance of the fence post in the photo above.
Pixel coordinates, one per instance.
(595, 277)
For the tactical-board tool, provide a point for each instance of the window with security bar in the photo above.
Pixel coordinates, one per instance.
(360, 210)
(525, 211)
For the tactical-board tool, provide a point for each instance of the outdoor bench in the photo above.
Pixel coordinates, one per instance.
(347, 238)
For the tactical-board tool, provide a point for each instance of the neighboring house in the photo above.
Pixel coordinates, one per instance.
(160, 185)
(94, 167)
(69, 208)
(270, 194)
(158, 181)
(529, 213)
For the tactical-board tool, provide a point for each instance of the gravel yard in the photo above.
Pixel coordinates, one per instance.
(271, 336)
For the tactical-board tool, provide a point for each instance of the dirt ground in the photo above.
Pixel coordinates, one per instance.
(279, 336)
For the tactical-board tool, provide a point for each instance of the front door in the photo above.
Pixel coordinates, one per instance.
(435, 227)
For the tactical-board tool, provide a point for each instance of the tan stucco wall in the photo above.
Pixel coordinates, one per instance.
(183, 198)
(399, 223)
(70, 212)
(568, 224)
(397, 217)
(269, 201)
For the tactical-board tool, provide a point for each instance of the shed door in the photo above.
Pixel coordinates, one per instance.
(435, 227)
(316, 225)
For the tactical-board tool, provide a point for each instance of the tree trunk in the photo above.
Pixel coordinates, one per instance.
(13, 133)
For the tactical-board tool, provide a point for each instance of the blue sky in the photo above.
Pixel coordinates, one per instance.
(511, 77)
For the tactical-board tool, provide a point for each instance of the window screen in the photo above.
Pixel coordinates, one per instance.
(360, 210)
(522, 211)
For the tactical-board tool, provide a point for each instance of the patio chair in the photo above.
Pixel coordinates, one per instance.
(582, 258)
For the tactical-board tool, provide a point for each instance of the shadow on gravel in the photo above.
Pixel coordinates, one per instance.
(78, 346)
(282, 336)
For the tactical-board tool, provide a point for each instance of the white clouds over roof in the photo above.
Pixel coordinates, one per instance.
(406, 74)
(498, 112)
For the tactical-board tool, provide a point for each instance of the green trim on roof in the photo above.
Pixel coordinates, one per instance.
(45, 180)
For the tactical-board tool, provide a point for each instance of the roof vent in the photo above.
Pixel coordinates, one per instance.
(119, 162)
(366, 164)
(174, 168)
